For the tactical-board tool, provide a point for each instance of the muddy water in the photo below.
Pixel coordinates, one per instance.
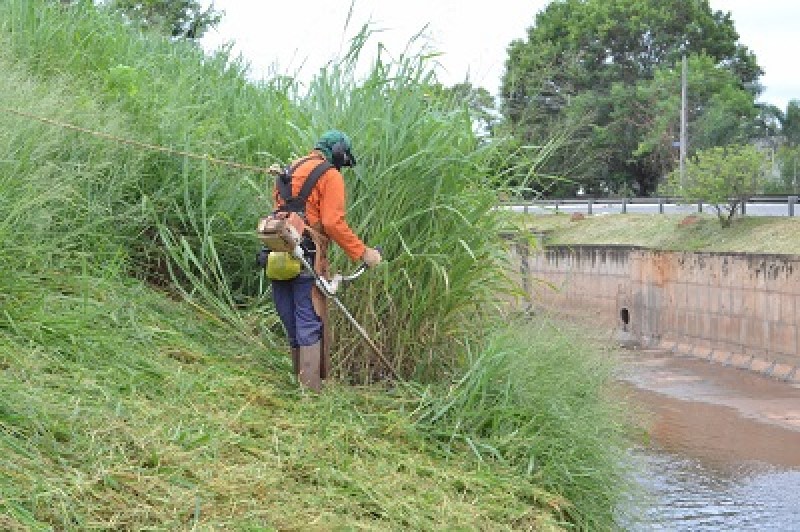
(723, 451)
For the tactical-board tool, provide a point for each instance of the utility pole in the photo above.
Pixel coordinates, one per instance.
(684, 118)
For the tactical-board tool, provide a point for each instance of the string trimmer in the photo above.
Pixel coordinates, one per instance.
(329, 289)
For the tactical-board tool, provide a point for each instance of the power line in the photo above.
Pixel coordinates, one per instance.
(136, 143)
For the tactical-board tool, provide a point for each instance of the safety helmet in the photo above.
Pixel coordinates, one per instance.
(336, 147)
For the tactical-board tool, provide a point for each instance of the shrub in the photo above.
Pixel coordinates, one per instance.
(724, 176)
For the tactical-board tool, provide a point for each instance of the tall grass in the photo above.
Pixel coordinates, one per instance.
(66, 201)
(420, 190)
(168, 94)
(535, 400)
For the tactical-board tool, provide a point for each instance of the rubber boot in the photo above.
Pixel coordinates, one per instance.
(325, 359)
(295, 354)
(309, 358)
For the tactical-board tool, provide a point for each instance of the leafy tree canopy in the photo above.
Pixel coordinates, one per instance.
(790, 123)
(616, 65)
(789, 163)
(176, 18)
(788, 154)
(479, 102)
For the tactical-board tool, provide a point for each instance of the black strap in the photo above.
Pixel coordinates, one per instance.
(290, 169)
(285, 177)
(311, 181)
(284, 184)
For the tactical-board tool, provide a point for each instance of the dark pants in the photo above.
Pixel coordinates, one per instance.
(293, 303)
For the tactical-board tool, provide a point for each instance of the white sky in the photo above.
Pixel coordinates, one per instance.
(300, 36)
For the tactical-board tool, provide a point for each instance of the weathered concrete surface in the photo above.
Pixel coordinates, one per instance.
(737, 309)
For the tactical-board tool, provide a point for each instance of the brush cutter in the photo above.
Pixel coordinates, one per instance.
(329, 289)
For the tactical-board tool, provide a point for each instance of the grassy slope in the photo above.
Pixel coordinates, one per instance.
(124, 409)
(121, 408)
(750, 234)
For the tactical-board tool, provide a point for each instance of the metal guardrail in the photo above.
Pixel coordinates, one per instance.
(661, 202)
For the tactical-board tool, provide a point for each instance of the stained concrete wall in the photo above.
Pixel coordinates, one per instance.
(738, 309)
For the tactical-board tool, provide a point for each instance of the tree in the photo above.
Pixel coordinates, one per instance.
(768, 123)
(790, 124)
(176, 18)
(614, 63)
(723, 176)
(646, 117)
(788, 154)
(789, 163)
(479, 102)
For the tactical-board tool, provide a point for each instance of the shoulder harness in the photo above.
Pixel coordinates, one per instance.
(284, 183)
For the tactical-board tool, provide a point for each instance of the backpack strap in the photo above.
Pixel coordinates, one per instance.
(311, 181)
(284, 179)
(284, 184)
(290, 169)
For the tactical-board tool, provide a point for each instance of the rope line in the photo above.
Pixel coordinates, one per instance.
(136, 143)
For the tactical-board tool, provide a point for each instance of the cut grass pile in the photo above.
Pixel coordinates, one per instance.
(672, 232)
(122, 408)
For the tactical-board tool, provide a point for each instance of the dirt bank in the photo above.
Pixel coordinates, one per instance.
(713, 412)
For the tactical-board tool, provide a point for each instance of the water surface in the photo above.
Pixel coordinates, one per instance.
(723, 447)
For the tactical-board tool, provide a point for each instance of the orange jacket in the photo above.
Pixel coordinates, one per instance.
(326, 205)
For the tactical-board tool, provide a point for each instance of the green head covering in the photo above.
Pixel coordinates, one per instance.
(336, 147)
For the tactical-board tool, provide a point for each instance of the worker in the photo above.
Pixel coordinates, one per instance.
(300, 304)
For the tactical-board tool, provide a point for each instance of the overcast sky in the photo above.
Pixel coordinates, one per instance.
(298, 37)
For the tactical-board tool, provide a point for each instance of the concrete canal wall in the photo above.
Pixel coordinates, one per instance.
(736, 309)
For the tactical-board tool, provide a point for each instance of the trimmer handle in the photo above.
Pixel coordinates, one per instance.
(356, 274)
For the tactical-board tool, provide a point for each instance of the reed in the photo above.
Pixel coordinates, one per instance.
(421, 188)
(420, 191)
